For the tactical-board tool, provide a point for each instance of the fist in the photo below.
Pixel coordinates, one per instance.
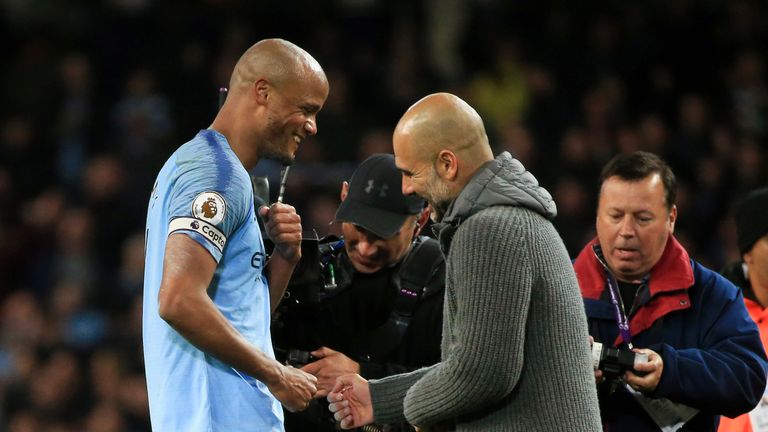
(283, 226)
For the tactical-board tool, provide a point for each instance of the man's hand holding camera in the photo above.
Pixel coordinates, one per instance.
(647, 374)
(640, 368)
(329, 365)
(599, 375)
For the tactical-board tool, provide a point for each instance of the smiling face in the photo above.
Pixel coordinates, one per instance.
(291, 117)
(370, 253)
(421, 178)
(633, 224)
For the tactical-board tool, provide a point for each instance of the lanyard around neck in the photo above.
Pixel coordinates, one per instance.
(622, 322)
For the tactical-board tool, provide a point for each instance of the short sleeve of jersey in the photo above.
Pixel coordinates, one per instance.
(210, 199)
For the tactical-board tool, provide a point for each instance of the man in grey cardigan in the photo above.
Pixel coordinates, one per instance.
(515, 350)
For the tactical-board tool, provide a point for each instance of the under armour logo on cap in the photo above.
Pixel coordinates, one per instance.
(382, 190)
(375, 200)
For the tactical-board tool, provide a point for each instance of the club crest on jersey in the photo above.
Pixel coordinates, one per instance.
(210, 207)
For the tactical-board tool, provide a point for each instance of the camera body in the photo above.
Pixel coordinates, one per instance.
(614, 361)
(298, 358)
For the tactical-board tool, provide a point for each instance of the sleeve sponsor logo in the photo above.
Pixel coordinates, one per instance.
(216, 237)
(210, 207)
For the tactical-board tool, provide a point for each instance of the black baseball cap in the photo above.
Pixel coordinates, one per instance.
(375, 199)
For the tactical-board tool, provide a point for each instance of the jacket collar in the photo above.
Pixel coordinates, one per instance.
(503, 181)
(667, 286)
(673, 271)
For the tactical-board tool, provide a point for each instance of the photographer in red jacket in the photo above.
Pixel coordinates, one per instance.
(643, 293)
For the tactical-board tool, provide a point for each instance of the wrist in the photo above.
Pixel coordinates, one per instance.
(289, 253)
(274, 374)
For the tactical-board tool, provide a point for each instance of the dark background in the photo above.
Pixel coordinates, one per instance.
(97, 94)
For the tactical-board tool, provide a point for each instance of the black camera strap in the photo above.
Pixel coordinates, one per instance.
(419, 268)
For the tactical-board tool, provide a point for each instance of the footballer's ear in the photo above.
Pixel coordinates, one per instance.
(261, 90)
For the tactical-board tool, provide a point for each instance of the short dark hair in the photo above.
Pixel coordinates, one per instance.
(638, 165)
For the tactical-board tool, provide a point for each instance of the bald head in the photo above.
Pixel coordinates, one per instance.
(275, 93)
(443, 121)
(439, 143)
(278, 62)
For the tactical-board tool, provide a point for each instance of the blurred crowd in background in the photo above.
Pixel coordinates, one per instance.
(97, 94)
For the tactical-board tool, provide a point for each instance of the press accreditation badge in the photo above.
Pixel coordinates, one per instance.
(210, 207)
(669, 416)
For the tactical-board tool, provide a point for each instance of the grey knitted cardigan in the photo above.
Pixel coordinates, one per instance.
(515, 350)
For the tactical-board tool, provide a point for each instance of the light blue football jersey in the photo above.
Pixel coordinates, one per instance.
(204, 192)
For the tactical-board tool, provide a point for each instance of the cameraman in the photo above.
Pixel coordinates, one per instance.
(642, 290)
(376, 307)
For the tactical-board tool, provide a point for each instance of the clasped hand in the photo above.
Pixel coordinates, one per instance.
(295, 389)
(329, 365)
(350, 402)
